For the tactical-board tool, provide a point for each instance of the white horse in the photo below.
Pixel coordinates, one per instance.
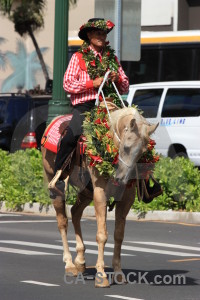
(131, 134)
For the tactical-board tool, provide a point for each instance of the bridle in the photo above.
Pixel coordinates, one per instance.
(117, 135)
(122, 102)
(119, 140)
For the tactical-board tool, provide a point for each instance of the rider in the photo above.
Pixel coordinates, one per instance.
(84, 76)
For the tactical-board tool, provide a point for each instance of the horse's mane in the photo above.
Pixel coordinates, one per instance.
(118, 114)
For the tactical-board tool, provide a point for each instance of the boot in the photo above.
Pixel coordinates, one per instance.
(57, 188)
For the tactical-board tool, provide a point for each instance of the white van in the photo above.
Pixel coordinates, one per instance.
(176, 106)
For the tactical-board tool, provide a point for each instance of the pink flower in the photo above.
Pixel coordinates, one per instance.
(109, 24)
(105, 123)
(96, 159)
(116, 159)
(97, 121)
(93, 63)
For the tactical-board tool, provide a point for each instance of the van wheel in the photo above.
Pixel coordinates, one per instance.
(177, 151)
(181, 154)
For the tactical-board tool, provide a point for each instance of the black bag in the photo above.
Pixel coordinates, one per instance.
(147, 193)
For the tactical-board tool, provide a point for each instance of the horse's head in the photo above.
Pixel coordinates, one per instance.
(132, 132)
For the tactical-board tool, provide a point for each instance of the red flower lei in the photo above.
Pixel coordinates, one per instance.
(101, 150)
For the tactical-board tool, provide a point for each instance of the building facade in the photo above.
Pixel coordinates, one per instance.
(156, 15)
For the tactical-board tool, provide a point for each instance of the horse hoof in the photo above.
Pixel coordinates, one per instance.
(119, 278)
(80, 267)
(102, 282)
(71, 271)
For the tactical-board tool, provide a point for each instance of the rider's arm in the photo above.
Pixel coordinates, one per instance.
(76, 80)
(123, 82)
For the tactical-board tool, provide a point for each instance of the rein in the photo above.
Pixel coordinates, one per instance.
(116, 132)
(117, 135)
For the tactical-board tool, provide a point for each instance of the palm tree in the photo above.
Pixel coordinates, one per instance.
(27, 16)
(2, 56)
(25, 66)
(72, 2)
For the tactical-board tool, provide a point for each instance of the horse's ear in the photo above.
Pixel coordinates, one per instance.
(132, 124)
(152, 128)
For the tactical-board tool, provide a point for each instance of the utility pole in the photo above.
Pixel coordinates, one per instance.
(59, 104)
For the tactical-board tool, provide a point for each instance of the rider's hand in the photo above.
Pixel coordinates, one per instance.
(114, 76)
(97, 82)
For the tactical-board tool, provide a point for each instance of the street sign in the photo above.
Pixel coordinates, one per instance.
(126, 14)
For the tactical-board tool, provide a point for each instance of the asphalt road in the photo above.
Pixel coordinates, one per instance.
(160, 261)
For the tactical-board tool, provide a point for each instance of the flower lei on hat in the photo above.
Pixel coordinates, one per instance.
(97, 67)
(101, 150)
(99, 24)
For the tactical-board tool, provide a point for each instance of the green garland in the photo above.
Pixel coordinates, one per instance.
(99, 24)
(97, 68)
(100, 148)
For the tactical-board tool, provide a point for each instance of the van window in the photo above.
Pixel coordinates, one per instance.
(148, 101)
(2, 111)
(182, 103)
(21, 108)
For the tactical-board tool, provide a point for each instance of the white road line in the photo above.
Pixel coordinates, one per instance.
(141, 249)
(39, 283)
(28, 221)
(49, 246)
(25, 252)
(33, 221)
(9, 215)
(166, 245)
(122, 297)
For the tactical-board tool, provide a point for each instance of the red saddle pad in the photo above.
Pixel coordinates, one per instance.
(52, 135)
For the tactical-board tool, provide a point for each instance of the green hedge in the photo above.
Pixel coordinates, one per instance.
(21, 181)
(180, 181)
(21, 178)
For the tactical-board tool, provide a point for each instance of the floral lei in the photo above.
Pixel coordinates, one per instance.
(97, 67)
(100, 148)
(100, 24)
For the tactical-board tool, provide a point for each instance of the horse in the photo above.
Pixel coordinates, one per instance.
(130, 132)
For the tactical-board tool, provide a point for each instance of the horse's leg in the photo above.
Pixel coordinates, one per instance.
(59, 206)
(121, 211)
(83, 200)
(100, 204)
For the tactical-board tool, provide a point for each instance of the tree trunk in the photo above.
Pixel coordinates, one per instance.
(44, 69)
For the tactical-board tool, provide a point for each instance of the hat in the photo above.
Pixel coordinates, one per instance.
(95, 24)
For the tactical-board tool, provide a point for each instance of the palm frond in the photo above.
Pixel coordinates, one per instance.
(25, 66)
(72, 3)
(6, 5)
(3, 59)
(2, 40)
(12, 82)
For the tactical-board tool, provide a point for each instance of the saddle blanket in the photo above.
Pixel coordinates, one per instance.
(52, 133)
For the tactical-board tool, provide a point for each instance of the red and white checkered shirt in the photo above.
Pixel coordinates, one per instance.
(77, 81)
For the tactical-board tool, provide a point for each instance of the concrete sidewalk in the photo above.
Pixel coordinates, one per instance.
(168, 216)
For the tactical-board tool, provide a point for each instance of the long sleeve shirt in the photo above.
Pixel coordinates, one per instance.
(79, 85)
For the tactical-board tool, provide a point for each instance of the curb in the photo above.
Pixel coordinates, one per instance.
(165, 216)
